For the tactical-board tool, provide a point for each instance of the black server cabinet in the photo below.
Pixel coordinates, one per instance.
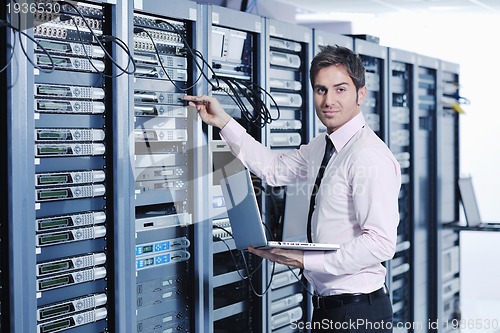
(73, 168)
(424, 203)
(233, 44)
(401, 108)
(164, 39)
(322, 38)
(447, 249)
(374, 57)
(289, 51)
(63, 130)
(61, 163)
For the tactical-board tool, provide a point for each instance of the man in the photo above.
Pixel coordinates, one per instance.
(355, 203)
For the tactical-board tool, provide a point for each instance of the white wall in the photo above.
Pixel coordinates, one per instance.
(471, 41)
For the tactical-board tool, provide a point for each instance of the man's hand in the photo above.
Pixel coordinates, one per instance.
(210, 110)
(286, 257)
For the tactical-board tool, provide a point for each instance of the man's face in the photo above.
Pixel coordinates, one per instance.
(335, 97)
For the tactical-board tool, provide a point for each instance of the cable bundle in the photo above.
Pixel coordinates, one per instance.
(241, 90)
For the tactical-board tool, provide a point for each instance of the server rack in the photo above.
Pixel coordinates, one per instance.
(447, 251)
(374, 57)
(424, 136)
(73, 169)
(61, 126)
(233, 49)
(322, 38)
(385, 111)
(59, 119)
(165, 172)
(289, 52)
(71, 231)
(401, 107)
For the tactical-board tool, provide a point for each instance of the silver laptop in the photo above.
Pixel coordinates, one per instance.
(469, 202)
(246, 222)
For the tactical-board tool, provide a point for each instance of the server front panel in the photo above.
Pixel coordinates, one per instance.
(164, 170)
(234, 277)
(424, 194)
(401, 270)
(73, 168)
(289, 51)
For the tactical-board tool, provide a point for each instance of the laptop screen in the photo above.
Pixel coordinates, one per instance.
(243, 211)
(224, 165)
(469, 202)
(296, 209)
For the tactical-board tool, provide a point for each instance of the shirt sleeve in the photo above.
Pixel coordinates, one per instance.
(375, 180)
(275, 168)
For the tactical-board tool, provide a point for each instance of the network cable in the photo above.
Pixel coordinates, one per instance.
(249, 274)
(241, 90)
(142, 30)
(23, 49)
(275, 209)
(104, 38)
(300, 280)
(193, 53)
(12, 47)
(249, 90)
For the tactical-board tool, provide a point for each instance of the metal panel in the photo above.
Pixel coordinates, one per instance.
(5, 39)
(123, 294)
(20, 122)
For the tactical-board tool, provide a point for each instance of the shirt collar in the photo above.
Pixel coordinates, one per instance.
(343, 134)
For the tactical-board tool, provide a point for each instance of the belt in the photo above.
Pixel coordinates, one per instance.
(335, 301)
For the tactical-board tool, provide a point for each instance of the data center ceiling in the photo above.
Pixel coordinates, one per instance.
(379, 7)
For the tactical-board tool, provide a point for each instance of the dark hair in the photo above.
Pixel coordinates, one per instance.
(338, 55)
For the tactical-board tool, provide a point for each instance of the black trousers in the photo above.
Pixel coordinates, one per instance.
(366, 317)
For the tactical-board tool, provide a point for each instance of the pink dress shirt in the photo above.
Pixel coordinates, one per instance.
(356, 205)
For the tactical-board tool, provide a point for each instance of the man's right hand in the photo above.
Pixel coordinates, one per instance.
(210, 110)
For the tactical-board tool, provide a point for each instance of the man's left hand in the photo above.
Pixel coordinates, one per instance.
(286, 257)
